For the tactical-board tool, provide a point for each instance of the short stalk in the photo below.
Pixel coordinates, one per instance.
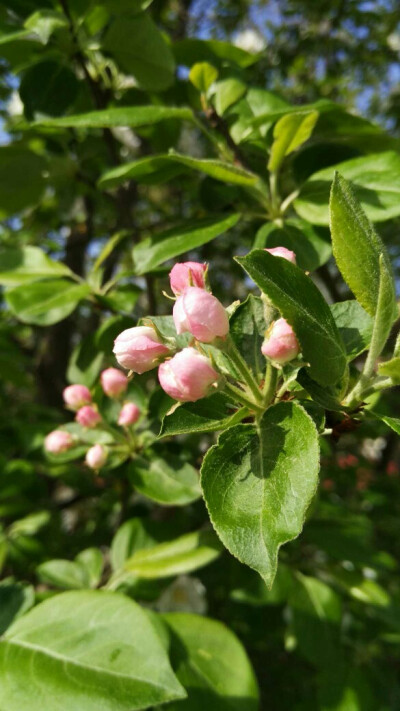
(241, 397)
(242, 368)
(271, 378)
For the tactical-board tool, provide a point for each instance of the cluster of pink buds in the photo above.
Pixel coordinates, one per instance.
(190, 374)
(78, 398)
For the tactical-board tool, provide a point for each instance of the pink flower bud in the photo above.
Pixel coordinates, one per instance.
(58, 441)
(75, 396)
(200, 313)
(188, 376)
(87, 416)
(284, 253)
(139, 349)
(96, 457)
(280, 344)
(186, 274)
(113, 382)
(129, 414)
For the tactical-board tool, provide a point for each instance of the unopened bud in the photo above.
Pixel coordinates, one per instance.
(96, 457)
(188, 376)
(139, 349)
(129, 414)
(58, 441)
(284, 253)
(113, 382)
(201, 314)
(280, 344)
(184, 274)
(87, 416)
(75, 396)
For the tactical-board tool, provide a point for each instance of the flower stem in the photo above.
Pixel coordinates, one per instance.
(242, 368)
(271, 377)
(241, 397)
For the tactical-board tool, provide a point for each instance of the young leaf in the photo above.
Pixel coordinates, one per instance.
(357, 249)
(212, 664)
(391, 368)
(228, 92)
(355, 326)
(302, 304)
(202, 75)
(20, 265)
(207, 415)
(88, 649)
(46, 302)
(133, 116)
(289, 133)
(258, 484)
(160, 168)
(163, 246)
(167, 481)
(132, 536)
(64, 574)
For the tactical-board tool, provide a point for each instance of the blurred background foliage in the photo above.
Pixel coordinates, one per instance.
(327, 636)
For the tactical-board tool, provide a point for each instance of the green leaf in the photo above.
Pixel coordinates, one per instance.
(44, 22)
(355, 326)
(321, 395)
(163, 246)
(228, 92)
(317, 614)
(85, 362)
(48, 87)
(189, 552)
(64, 574)
(132, 116)
(391, 368)
(46, 302)
(212, 664)
(202, 75)
(290, 132)
(311, 249)
(376, 182)
(15, 600)
(140, 49)
(392, 422)
(25, 264)
(357, 248)
(247, 327)
(109, 247)
(134, 535)
(92, 562)
(258, 485)
(21, 179)
(158, 169)
(191, 50)
(207, 415)
(167, 481)
(90, 650)
(302, 304)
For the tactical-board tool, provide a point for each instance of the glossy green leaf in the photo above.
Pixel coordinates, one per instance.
(168, 481)
(228, 92)
(132, 116)
(202, 75)
(64, 574)
(317, 613)
(212, 665)
(191, 50)
(391, 368)
(48, 87)
(19, 265)
(258, 485)
(290, 132)
(309, 246)
(207, 415)
(184, 554)
(91, 650)
(163, 246)
(302, 304)
(46, 302)
(15, 600)
(134, 535)
(355, 326)
(392, 422)
(247, 328)
(22, 179)
(323, 396)
(157, 169)
(357, 249)
(92, 562)
(376, 182)
(148, 58)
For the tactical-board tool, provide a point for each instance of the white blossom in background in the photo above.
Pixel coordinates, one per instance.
(185, 594)
(15, 106)
(393, 41)
(250, 40)
(125, 135)
(372, 448)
